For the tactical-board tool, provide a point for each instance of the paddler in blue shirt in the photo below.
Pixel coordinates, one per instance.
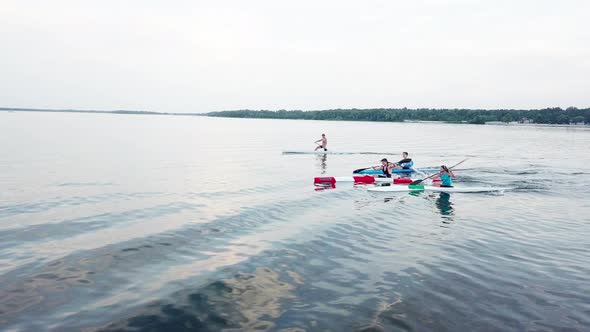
(405, 163)
(446, 177)
(386, 167)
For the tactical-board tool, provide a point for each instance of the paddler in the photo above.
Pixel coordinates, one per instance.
(324, 144)
(405, 163)
(386, 167)
(446, 177)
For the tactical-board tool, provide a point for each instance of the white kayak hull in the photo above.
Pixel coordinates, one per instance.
(402, 188)
(355, 179)
(331, 152)
(358, 179)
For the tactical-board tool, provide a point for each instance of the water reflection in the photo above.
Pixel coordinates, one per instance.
(246, 302)
(324, 186)
(445, 207)
(322, 162)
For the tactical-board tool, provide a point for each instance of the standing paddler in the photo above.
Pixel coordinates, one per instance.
(324, 144)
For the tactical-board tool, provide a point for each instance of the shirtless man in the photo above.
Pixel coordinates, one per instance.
(324, 144)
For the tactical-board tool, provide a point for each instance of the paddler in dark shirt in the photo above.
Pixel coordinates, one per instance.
(386, 167)
(405, 163)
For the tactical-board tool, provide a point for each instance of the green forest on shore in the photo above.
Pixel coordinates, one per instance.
(571, 115)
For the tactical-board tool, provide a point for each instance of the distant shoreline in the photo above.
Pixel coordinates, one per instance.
(547, 116)
(557, 117)
(132, 112)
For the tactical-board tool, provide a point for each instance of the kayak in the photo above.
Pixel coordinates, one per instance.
(358, 179)
(331, 152)
(397, 170)
(380, 172)
(401, 188)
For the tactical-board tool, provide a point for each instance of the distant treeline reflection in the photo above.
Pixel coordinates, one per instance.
(571, 115)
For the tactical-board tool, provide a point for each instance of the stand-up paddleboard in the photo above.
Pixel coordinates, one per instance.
(400, 188)
(358, 179)
(332, 152)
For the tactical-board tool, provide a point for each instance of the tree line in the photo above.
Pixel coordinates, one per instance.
(571, 115)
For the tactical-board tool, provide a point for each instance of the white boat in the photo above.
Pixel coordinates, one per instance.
(360, 179)
(357, 179)
(403, 188)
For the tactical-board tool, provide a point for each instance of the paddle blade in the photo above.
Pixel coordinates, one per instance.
(415, 182)
(362, 169)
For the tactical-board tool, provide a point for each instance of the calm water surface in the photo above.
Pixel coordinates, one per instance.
(161, 223)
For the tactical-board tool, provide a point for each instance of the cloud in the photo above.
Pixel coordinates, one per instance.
(199, 56)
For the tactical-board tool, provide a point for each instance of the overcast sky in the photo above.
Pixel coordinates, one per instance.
(200, 56)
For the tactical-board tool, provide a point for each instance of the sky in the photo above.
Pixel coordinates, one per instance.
(202, 56)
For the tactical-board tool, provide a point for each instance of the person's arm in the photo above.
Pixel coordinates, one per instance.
(437, 176)
(452, 174)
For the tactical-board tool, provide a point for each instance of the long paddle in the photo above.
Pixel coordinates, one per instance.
(415, 182)
(362, 169)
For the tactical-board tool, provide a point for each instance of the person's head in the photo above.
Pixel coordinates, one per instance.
(405, 155)
(323, 135)
(384, 161)
(444, 169)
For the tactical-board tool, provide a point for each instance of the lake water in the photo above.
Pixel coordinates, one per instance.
(169, 223)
